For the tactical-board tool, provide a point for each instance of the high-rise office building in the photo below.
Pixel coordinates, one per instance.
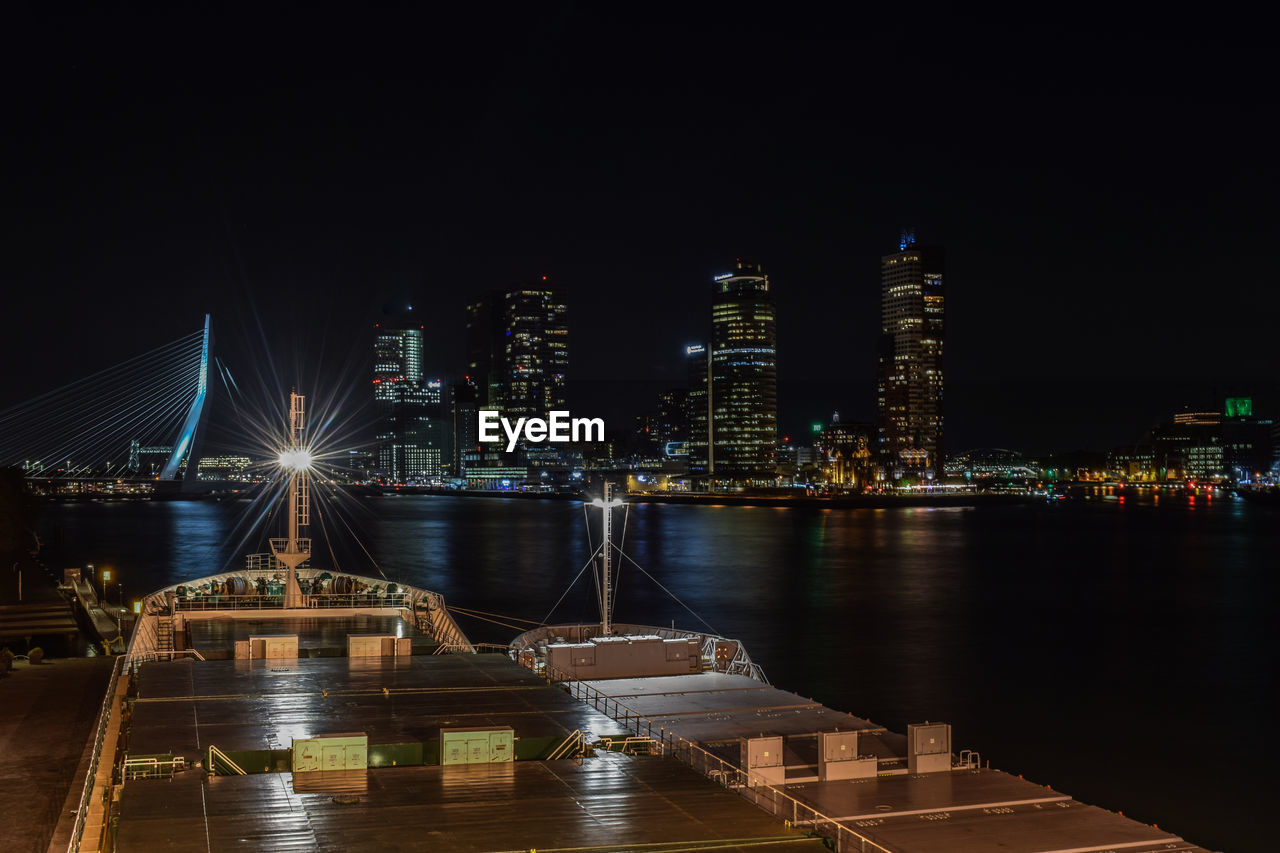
(909, 387)
(536, 352)
(409, 426)
(519, 350)
(698, 413)
(484, 337)
(671, 425)
(463, 423)
(743, 422)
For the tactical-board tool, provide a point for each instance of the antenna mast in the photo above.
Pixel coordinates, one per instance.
(606, 562)
(296, 460)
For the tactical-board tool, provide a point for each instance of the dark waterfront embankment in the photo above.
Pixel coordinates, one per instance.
(941, 500)
(47, 714)
(1077, 642)
(774, 499)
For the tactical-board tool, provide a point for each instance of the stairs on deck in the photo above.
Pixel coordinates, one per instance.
(164, 634)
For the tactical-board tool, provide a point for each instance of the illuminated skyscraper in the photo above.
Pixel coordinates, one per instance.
(743, 427)
(410, 429)
(909, 387)
(535, 352)
(519, 350)
(697, 408)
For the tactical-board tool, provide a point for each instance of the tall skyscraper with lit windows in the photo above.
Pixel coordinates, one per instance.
(519, 349)
(742, 428)
(698, 409)
(410, 446)
(909, 388)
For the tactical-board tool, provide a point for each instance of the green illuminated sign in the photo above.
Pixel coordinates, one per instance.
(1239, 407)
(817, 427)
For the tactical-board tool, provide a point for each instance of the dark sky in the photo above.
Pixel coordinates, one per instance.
(1104, 185)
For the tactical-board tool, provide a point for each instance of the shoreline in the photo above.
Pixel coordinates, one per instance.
(860, 501)
(730, 499)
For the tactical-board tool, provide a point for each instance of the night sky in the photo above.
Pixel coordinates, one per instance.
(1105, 187)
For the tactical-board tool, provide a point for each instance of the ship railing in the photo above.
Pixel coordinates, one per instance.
(739, 664)
(152, 766)
(431, 616)
(134, 660)
(470, 648)
(99, 740)
(255, 601)
(425, 609)
(728, 775)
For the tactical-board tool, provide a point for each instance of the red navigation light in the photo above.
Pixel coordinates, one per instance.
(544, 278)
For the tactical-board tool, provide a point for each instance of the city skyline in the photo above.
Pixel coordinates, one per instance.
(1103, 245)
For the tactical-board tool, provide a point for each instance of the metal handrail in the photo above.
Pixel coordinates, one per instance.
(214, 752)
(740, 664)
(426, 609)
(718, 770)
(104, 718)
(573, 744)
(255, 601)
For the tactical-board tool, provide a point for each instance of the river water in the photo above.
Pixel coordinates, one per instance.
(1123, 653)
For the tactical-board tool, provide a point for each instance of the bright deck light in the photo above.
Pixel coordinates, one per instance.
(295, 459)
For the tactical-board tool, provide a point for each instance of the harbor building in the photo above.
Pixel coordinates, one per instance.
(742, 424)
(909, 387)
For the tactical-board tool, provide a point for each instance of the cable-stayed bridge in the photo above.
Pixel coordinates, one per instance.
(137, 421)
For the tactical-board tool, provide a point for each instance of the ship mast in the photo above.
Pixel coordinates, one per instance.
(606, 561)
(296, 460)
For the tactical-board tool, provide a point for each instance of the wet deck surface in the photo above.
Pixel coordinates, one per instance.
(716, 710)
(610, 802)
(972, 811)
(601, 803)
(184, 706)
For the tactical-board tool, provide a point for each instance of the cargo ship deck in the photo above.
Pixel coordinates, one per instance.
(206, 748)
(251, 711)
